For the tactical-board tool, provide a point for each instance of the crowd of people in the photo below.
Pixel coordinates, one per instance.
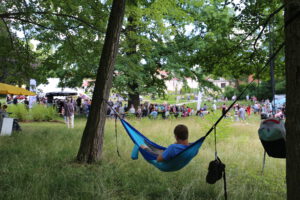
(239, 112)
(264, 109)
(81, 106)
(154, 110)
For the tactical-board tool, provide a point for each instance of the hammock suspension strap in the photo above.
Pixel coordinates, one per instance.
(217, 158)
(215, 133)
(264, 163)
(116, 134)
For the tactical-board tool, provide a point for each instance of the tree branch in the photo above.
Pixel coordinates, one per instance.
(11, 15)
(34, 23)
(9, 33)
(265, 25)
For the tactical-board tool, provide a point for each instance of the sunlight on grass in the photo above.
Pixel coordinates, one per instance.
(38, 163)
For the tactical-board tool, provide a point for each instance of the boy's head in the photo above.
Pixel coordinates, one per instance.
(181, 132)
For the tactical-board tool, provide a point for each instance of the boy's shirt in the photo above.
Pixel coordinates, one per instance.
(173, 150)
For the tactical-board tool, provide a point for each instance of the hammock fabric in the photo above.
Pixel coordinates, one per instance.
(174, 164)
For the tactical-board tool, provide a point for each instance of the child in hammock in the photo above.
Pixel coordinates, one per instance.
(181, 134)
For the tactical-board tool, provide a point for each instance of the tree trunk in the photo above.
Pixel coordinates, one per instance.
(92, 139)
(133, 97)
(292, 61)
(237, 83)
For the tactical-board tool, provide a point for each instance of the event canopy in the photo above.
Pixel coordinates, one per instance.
(61, 94)
(9, 89)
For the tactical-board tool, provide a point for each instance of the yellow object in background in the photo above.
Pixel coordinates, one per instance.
(9, 89)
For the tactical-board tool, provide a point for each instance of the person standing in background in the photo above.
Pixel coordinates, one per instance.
(69, 113)
(242, 113)
(248, 110)
(214, 107)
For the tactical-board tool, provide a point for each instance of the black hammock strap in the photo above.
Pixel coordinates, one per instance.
(215, 133)
(225, 185)
(217, 158)
(116, 135)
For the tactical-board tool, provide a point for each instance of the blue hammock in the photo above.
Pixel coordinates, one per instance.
(176, 163)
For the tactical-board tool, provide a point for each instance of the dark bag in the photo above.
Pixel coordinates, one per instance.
(263, 116)
(215, 171)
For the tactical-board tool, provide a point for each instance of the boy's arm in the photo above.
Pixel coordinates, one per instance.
(159, 158)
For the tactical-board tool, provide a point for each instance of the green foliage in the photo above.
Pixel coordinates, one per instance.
(280, 87)
(19, 112)
(184, 39)
(43, 113)
(37, 113)
(39, 164)
(262, 91)
(229, 92)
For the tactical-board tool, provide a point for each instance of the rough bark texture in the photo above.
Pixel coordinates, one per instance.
(92, 139)
(134, 98)
(292, 59)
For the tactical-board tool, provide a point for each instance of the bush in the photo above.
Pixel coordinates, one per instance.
(42, 113)
(230, 91)
(261, 92)
(51, 114)
(19, 112)
(37, 113)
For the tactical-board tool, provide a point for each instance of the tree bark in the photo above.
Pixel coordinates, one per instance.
(237, 83)
(92, 139)
(292, 61)
(133, 97)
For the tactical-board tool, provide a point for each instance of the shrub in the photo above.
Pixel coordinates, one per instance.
(19, 112)
(51, 113)
(230, 91)
(43, 113)
(37, 113)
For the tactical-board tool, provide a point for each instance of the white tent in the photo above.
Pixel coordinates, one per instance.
(52, 86)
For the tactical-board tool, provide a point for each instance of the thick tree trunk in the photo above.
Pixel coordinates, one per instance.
(133, 97)
(92, 139)
(292, 60)
(237, 83)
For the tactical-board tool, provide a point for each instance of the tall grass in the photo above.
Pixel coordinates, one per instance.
(36, 113)
(42, 113)
(19, 111)
(39, 164)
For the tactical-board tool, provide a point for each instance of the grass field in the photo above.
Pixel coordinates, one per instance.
(38, 163)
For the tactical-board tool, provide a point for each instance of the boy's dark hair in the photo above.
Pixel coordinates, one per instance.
(181, 132)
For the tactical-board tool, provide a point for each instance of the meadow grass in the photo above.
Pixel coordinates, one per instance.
(38, 163)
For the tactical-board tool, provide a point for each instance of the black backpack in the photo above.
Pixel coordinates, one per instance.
(216, 169)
